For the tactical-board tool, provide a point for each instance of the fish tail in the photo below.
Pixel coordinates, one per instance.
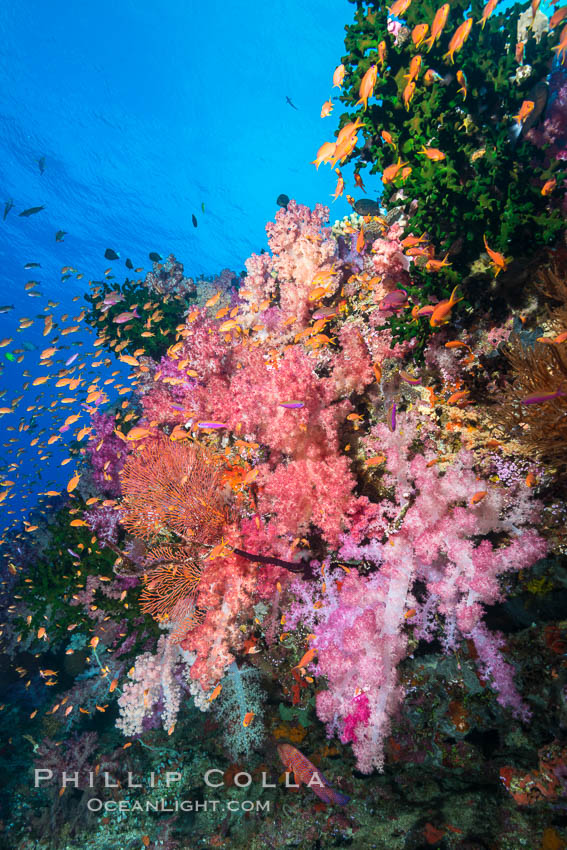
(331, 796)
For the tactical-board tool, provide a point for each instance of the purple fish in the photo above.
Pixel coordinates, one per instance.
(121, 318)
(394, 300)
(70, 551)
(540, 398)
(409, 379)
(291, 405)
(324, 313)
(71, 360)
(215, 425)
(392, 417)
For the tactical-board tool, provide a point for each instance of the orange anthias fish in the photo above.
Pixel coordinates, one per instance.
(557, 17)
(306, 772)
(338, 76)
(434, 154)
(438, 25)
(399, 7)
(340, 185)
(459, 37)
(418, 33)
(408, 94)
(561, 48)
(327, 108)
(382, 54)
(358, 181)
(414, 69)
(499, 261)
(324, 154)
(442, 311)
(548, 187)
(487, 11)
(462, 80)
(391, 172)
(433, 265)
(526, 109)
(367, 85)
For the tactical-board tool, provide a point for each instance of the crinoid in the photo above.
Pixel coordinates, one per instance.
(540, 427)
(552, 282)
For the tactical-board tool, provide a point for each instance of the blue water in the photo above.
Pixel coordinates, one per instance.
(144, 111)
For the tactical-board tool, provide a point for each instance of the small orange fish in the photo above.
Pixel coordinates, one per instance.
(438, 25)
(388, 138)
(213, 300)
(526, 109)
(408, 94)
(442, 311)
(338, 76)
(414, 68)
(457, 397)
(215, 693)
(382, 54)
(327, 108)
(558, 16)
(391, 171)
(398, 8)
(531, 480)
(462, 80)
(340, 185)
(307, 659)
(73, 483)
(459, 37)
(324, 154)
(360, 240)
(375, 461)
(248, 718)
(561, 48)
(418, 33)
(478, 497)
(433, 265)
(548, 187)
(499, 262)
(434, 154)
(358, 181)
(367, 85)
(487, 12)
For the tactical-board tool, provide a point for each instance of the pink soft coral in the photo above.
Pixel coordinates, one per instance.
(225, 593)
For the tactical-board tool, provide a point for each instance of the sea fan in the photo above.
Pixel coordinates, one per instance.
(171, 587)
(175, 487)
